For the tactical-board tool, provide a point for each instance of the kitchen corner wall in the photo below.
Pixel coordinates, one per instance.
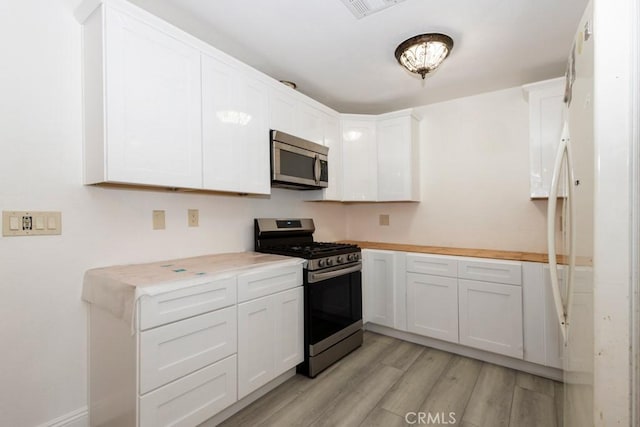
(43, 371)
(474, 164)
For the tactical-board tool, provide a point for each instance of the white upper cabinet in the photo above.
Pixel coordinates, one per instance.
(235, 130)
(142, 117)
(310, 123)
(333, 140)
(545, 125)
(360, 159)
(398, 177)
(292, 113)
(380, 157)
(282, 110)
(165, 109)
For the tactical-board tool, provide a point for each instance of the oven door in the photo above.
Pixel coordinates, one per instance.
(333, 306)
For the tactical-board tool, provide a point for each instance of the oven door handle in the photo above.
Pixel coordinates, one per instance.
(318, 277)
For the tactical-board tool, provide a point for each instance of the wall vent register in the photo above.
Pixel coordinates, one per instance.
(362, 8)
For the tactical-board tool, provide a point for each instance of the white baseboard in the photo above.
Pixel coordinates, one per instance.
(485, 356)
(77, 418)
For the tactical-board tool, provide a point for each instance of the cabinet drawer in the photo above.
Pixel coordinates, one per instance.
(267, 282)
(174, 350)
(193, 399)
(194, 299)
(435, 265)
(491, 271)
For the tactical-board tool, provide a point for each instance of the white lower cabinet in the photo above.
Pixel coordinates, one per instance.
(270, 339)
(193, 399)
(432, 306)
(378, 289)
(289, 322)
(256, 334)
(490, 316)
(470, 301)
(195, 350)
(186, 346)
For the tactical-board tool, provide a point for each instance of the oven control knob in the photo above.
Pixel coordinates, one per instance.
(351, 257)
(340, 260)
(329, 261)
(321, 263)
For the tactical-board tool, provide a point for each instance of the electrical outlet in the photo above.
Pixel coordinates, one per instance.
(193, 217)
(158, 220)
(384, 219)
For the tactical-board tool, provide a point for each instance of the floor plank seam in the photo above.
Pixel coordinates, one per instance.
(475, 383)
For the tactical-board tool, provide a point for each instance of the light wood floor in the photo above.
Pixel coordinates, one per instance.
(378, 384)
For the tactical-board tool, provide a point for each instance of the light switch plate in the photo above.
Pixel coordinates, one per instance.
(158, 220)
(31, 223)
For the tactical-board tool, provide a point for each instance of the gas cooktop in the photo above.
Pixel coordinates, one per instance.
(294, 237)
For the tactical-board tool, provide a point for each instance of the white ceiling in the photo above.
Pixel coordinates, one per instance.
(349, 64)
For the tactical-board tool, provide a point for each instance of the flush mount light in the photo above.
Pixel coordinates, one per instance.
(424, 53)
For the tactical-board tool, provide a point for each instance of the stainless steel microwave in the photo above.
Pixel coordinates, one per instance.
(297, 163)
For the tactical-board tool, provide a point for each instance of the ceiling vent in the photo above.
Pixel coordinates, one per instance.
(362, 8)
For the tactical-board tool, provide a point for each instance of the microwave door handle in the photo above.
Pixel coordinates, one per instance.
(316, 169)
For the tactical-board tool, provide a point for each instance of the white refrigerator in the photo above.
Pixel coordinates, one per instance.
(570, 224)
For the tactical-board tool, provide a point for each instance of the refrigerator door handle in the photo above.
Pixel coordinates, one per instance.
(562, 305)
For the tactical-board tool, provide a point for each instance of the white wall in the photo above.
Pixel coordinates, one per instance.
(43, 321)
(474, 181)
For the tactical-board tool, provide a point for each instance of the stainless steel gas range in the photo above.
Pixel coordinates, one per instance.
(332, 289)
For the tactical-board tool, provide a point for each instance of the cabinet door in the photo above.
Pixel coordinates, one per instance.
(378, 289)
(397, 151)
(309, 122)
(235, 130)
(289, 340)
(193, 399)
(254, 161)
(545, 125)
(359, 160)
(333, 140)
(256, 344)
(491, 317)
(432, 306)
(282, 110)
(153, 108)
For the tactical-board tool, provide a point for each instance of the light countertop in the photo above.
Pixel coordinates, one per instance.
(118, 288)
(467, 252)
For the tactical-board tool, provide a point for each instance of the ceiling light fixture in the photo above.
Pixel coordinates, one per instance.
(424, 53)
